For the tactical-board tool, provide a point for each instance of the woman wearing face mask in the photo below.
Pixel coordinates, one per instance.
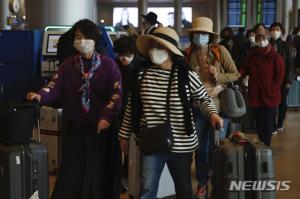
(147, 107)
(222, 70)
(265, 68)
(288, 53)
(90, 86)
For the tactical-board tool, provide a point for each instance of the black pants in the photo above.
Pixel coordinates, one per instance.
(264, 118)
(282, 108)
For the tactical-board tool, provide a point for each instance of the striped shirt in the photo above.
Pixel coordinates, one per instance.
(153, 92)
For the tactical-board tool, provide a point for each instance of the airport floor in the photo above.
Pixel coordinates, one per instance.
(286, 149)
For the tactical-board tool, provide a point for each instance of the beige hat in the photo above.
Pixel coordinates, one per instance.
(203, 24)
(165, 36)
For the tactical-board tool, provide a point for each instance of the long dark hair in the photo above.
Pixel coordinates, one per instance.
(183, 68)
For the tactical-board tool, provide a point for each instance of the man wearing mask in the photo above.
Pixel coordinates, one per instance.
(232, 44)
(149, 23)
(128, 61)
(288, 53)
(265, 68)
(214, 61)
(226, 36)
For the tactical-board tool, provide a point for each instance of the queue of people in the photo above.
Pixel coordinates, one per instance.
(151, 83)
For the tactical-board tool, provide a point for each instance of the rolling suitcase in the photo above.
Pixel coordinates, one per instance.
(23, 171)
(237, 163)
(263, 168)
(134, 169)
(228, 165)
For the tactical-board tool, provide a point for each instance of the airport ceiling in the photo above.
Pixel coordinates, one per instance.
(149, 1)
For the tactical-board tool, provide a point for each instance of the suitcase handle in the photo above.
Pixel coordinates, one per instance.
(217, 135)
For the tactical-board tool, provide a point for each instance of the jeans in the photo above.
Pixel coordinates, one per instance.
(205, 134)
(179, 165)
(265, 118)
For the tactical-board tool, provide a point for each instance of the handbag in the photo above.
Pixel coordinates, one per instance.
(232, 101)
(17, 120)
(158, 139)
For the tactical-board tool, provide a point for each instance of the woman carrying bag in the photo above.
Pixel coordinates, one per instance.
(149, 110)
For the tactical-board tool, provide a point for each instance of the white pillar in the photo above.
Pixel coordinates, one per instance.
(249, 24)
(295, 12)
(59, 12)
(285, 16)
(254, 11)
(279, 10)
(178, 15)
(224, 13)
(142, 9)
(4, 12)
(217, 16)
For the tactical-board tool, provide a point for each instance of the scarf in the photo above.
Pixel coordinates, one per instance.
(86, 76)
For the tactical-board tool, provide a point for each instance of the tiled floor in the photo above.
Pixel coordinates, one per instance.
(286, 149)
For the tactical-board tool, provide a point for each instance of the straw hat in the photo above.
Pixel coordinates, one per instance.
(165, 36)
(203, 24)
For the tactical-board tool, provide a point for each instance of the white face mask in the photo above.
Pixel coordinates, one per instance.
(126, 60)
(251, 39)
(158, 56)
(84, 46)
(200, 39)
(275, 34)
(262, 43)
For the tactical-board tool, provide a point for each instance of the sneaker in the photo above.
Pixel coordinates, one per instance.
(274, 132)
(280, 129)
(201, 192)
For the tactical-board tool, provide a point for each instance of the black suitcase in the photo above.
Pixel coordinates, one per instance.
(240, 163)
(17, 119)
(228, 165)
(263, 168)
(23, 171)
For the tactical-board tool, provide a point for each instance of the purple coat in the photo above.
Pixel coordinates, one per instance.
(105, 94)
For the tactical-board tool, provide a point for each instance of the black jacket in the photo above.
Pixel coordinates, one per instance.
(128, 74)
(296, 44)
(288, 53)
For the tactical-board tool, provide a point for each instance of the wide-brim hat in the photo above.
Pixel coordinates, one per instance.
(203, 24)
(165, 36)
(151, 17)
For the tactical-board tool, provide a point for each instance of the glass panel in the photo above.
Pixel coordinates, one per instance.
(237, 11)
(266, 11)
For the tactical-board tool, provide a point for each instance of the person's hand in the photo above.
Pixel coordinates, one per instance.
(124, 144)
(102, 124)
(213, 71)
(33, 96)
(288, 85)
(215, 120)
